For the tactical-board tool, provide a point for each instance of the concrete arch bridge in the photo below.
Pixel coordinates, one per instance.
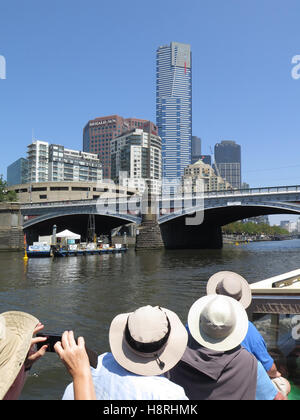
(184, 222)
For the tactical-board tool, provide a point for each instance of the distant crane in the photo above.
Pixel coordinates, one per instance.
(214, 160)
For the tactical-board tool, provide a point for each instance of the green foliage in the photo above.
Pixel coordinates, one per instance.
(250, 228)
(6, 195)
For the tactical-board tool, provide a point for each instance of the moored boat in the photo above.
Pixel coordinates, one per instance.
(38, 250)
(67, 252)
(275, 311)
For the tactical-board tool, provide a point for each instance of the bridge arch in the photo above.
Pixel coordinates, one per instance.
(176, 233)
(76, 221)
(234, 213)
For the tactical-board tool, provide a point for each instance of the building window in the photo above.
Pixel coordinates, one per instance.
(39, 189)
(59, 188)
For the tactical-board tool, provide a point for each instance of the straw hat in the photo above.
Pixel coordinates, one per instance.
(16, 330)
(149, 341)
(218, 322)
(230, 284)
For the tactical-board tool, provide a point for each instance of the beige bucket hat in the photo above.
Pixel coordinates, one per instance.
(230, 284)
(218, 322)
(16, 331)
(148, 341)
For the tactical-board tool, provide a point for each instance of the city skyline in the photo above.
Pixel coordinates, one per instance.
(243, 88)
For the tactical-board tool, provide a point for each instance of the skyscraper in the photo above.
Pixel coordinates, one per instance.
(174, 107)
(228, 161)
(17, 172)
(196, 149)
(98, 134)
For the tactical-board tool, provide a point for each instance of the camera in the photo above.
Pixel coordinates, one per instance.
(54, 338)
(51, 340)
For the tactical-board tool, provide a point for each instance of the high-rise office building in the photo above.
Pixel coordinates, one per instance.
(228, 161)
(98, 134)
(136, 160)
(174, 107)
(17, 172)
(196, 149)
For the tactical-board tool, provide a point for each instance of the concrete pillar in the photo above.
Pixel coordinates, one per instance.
(149, 236)
(11, 230)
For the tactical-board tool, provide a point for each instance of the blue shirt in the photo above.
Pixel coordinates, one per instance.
(255, 344)
(265, 389)
(113, 382)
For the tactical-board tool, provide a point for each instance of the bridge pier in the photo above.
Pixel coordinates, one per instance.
(178, 235)
(11, 231)
(149, 236)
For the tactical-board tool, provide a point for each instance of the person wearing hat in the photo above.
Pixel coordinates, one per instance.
(215, 366)
(144, 345)
(234, 285)
(17, 351)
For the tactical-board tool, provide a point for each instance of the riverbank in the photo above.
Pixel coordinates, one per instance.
(233, 239)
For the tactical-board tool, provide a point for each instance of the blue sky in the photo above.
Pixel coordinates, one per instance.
(71, 61)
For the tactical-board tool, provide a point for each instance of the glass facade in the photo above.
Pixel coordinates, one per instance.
(228, 161)
(174, 107)
(196, 149)
(17, 172)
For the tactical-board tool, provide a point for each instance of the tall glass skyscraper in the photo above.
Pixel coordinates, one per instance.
(174, 107)
(228, 161)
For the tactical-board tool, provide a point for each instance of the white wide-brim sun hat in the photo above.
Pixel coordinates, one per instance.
(148, 341)
(230, 284)
(218, 322)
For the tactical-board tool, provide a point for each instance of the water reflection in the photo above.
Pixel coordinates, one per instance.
(85, 293)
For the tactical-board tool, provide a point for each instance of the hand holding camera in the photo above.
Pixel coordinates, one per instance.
(74, 356)
(64, 344)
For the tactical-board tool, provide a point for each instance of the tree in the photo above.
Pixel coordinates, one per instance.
(251, 228)
(6, 195)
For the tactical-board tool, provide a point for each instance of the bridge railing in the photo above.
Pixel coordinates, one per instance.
(254, 191)
(137, 199)
(104, 201)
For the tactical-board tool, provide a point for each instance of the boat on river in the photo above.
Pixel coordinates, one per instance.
(38, 250)
(74, 252)
(275, 311)
(283, 284)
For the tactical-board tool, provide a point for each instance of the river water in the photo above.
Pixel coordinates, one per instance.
(85, 293)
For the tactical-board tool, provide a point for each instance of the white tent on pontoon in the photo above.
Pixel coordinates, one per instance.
(67, 234)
